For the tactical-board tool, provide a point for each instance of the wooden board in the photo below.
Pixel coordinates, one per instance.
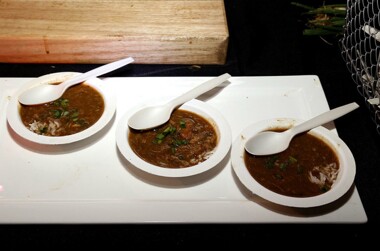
(101, 31)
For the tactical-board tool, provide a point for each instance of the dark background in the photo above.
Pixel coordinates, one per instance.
(265, 40)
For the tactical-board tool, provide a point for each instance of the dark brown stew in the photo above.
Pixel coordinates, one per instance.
(307, 168)
(185, 140)
(78, 109)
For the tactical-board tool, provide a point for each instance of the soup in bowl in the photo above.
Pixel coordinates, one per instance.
(80, 112)
(317, 168)
(194, 140)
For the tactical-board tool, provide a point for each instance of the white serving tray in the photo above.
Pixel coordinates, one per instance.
(91, 182)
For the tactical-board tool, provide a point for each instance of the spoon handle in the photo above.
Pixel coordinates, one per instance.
(200, 89)
(98, 71)
(325, 117)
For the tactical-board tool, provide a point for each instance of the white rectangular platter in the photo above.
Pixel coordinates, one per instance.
(91, 182)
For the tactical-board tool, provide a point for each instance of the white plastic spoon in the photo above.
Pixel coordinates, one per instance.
(270, 142)
(153, 116)
(46, 93)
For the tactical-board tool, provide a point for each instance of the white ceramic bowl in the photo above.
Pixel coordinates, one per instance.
(342, 184)
(14, 119)
(198, 107)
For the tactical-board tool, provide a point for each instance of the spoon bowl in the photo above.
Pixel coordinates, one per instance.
(271, 142)
(50, 92)
(153, 116)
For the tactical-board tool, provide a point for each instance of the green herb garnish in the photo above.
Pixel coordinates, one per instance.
(43, 130)
(270, 161)
(292, 160)
(161, 136)
(62, 112)
(284, 165)
(62, 102)
(182, 124)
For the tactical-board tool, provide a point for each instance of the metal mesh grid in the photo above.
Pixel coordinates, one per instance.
(360, 46)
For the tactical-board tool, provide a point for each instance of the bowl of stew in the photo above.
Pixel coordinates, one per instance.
(316, 169)
(195, 139)
(83, 110)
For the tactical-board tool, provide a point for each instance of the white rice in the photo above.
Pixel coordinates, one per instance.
(326, 174)
(51, 127)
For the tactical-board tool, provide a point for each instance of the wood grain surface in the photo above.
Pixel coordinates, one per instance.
(101, 31)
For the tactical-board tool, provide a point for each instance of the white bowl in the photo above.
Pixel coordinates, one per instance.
(198, 107)
(342, 184)
(16, 124)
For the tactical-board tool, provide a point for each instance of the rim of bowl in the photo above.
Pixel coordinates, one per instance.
(345, 179)
(198, 107)
(16, 124)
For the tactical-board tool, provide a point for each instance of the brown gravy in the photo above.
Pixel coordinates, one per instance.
(307, 168)
(78, 109)
(185, 140)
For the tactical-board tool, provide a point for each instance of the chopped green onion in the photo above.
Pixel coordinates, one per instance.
(57, 113)
(43, 130)
(292, 159)
(182, 124)
(178, 142)
(270, 161)
(160, 136)
(64, 102)
(283, 165)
